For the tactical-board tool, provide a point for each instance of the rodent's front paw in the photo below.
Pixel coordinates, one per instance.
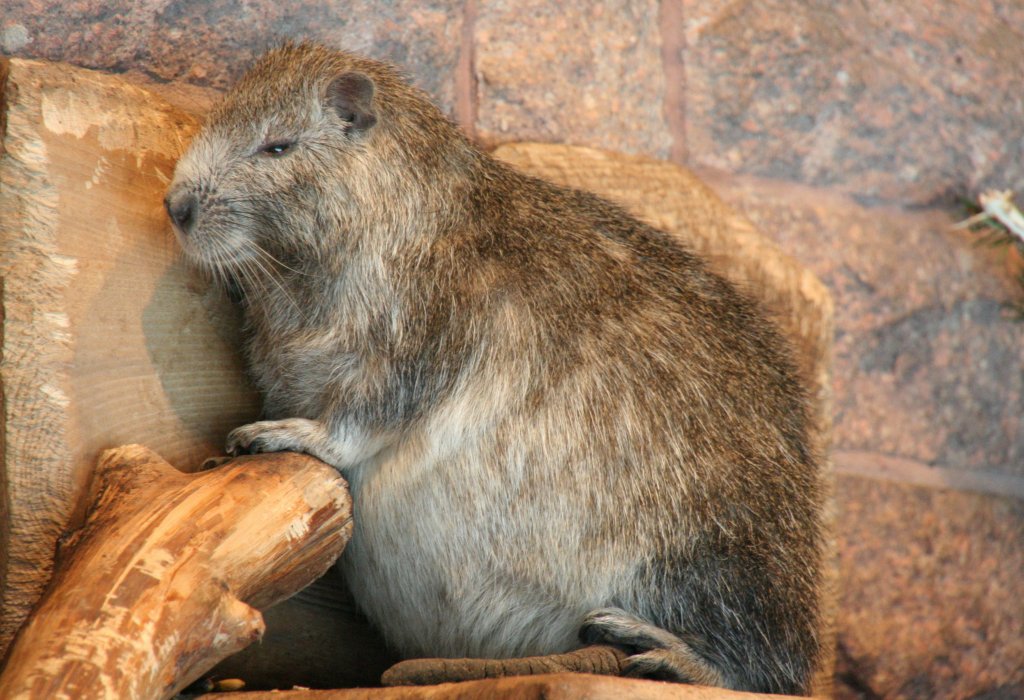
(262, 436)
(295, 434)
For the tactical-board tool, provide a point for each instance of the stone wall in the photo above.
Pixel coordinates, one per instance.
(847, 131)
(885, 100)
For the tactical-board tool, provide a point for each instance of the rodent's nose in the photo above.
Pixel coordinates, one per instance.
(181, 207)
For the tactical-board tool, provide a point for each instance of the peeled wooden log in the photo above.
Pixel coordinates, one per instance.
(166, 576)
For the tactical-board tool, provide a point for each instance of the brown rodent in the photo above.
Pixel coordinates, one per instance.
(558, 426)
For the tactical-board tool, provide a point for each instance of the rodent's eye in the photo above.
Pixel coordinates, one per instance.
(276, 148)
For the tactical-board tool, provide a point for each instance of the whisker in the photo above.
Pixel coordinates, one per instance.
(264, 252)
(261, 267)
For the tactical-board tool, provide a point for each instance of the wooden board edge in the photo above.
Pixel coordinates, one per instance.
(4, 496)
(5, 69)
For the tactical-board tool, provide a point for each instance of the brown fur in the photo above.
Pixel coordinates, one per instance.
(555, 420)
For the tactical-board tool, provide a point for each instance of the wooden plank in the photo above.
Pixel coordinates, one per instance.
(559, 686)
(107, 337)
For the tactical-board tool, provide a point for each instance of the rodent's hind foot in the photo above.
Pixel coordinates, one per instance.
(616, 626)
(670, 665)
(653, 652)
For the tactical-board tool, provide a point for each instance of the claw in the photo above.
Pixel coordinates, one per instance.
(214, 462)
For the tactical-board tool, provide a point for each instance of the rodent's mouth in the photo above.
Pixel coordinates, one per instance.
(216, 251)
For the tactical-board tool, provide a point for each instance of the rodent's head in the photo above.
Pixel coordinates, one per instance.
(312, 150)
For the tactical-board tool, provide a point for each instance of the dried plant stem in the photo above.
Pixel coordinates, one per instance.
(999, 206)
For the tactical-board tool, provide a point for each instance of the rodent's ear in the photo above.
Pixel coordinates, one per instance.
(351, 97)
